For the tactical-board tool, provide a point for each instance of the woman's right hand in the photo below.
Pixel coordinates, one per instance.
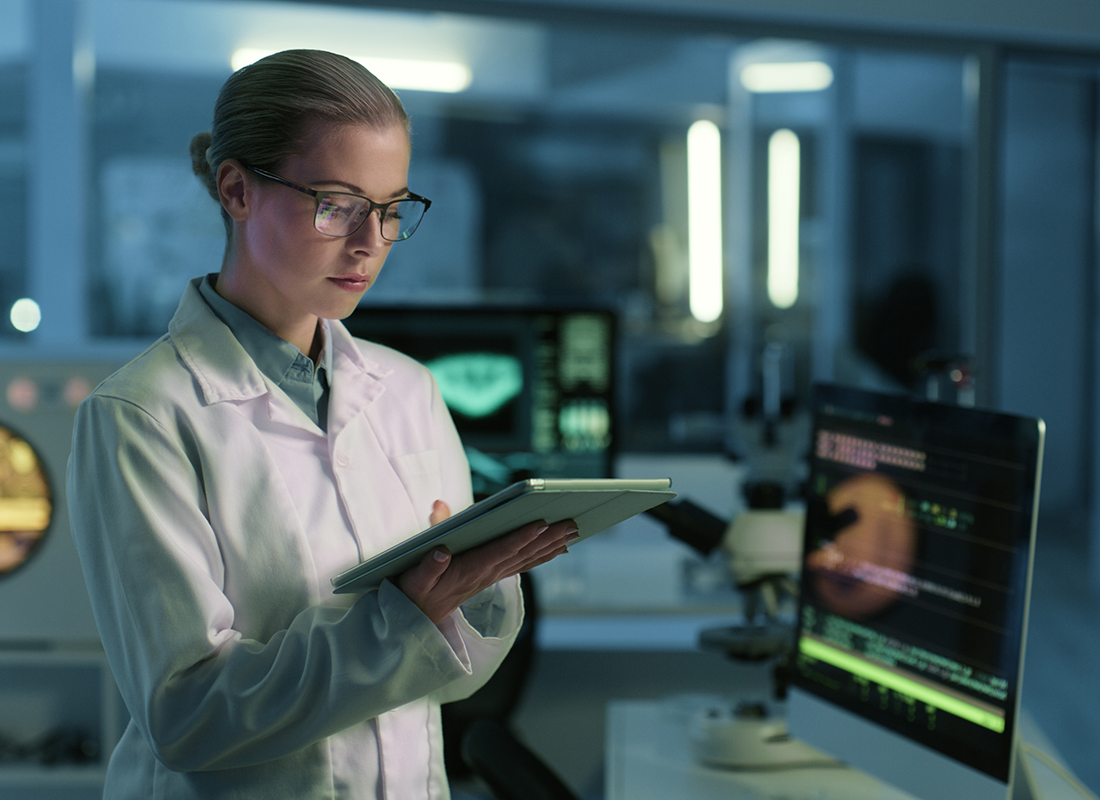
(441, 582)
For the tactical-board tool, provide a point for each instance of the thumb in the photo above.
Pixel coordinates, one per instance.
(440, 512)
(422, 578)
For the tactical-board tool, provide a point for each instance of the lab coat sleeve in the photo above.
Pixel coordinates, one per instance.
(486, 626)
(203, 695)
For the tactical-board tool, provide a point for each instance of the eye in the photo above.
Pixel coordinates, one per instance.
(332, 208)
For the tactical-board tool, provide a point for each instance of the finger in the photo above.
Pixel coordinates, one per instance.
(440, 512)
(564, 533)
(535, 543)
(568, 535)
(558, 535)
(511, 545)
(544, 536)
(535, 556)
(532, 557)
(417, 582)
(561, 551)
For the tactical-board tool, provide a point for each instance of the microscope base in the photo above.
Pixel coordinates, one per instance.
(747, 737)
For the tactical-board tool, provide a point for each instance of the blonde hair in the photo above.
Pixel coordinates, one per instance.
(265, 111)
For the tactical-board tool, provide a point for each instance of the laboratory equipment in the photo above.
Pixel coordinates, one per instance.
(762, 547)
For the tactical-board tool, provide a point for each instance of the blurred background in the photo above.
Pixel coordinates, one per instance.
(757, 195)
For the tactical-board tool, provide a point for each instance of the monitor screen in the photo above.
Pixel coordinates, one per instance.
(912, 615)
(530, 389)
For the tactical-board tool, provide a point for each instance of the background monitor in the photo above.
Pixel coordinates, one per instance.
(913, 611)
(531, 390)
(26, 501)
(42, 591)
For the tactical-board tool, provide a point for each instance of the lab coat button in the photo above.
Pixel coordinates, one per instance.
(342, 460)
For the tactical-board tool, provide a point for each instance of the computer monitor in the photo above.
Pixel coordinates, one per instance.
(912, 616)
(531, 390)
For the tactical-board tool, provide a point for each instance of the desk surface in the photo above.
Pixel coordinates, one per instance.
(649, 758)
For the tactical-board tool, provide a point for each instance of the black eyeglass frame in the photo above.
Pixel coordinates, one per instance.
(371, 205)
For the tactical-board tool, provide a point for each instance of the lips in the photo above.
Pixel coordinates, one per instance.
(352, 283)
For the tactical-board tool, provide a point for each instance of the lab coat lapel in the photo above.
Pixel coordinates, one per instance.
(377, 501)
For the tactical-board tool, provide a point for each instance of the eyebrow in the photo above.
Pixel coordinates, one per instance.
(351, 187)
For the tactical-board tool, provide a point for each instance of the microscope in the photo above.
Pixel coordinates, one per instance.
(762, 547)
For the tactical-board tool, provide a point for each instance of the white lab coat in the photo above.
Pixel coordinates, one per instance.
(209, 513)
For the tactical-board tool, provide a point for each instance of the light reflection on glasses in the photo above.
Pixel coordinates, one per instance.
(342, 213)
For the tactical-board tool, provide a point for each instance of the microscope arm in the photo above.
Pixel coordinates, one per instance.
(691, 524)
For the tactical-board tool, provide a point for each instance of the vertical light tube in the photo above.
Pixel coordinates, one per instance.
(784, 188)
(704, 167)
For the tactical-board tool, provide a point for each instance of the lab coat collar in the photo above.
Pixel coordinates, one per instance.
(346, 353)
(360, 379)
(211, 352)
(225, 373)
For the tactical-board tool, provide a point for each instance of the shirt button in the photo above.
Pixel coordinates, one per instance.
(342, 460)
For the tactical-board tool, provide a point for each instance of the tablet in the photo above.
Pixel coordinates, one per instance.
(595, 504)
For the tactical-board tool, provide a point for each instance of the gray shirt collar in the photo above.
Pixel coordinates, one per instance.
(280, 362)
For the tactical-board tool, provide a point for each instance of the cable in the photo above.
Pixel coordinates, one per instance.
(1058, 769)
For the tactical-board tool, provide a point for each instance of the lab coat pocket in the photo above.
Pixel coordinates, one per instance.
(420, 474)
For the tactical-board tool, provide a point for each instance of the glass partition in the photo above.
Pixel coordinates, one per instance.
(758, 213)
(561, 173)
(13, 168)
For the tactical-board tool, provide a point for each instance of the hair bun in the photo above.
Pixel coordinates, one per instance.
(200, 143)
(200, 161)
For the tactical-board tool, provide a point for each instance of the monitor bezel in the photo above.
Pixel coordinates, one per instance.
(877, 749)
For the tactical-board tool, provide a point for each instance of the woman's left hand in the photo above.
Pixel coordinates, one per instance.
(442, 582)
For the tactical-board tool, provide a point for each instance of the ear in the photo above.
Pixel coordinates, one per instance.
(234, 189)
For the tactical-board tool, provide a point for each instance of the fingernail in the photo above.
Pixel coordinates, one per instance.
(542, 530)
(441, 555)
(574, 532)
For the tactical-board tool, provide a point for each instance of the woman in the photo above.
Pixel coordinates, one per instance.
(220, 479)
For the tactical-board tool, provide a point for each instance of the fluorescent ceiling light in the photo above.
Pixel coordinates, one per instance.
(793, 76)
(784, 188)
(397, 73)
(704, 157)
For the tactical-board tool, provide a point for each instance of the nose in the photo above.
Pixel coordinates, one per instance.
(369, 236)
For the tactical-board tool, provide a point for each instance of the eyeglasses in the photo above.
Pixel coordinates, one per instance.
(342, 213)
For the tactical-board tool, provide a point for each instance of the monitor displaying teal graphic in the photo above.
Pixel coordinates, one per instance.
(478, 385)
(531, 390)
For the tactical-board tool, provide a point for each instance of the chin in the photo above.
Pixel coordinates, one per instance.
(341, 310)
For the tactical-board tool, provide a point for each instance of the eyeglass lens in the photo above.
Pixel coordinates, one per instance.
(341, 214)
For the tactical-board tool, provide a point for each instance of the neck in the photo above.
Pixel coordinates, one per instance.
(318, 343)
(301, 330)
